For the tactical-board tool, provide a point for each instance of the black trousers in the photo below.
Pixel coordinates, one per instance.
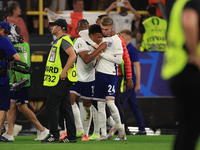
(186, 88)
(59, 100)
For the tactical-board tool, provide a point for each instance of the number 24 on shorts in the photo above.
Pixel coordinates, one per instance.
(111, 89)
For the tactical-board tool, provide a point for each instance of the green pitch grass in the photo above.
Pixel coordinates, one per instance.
(162, 142)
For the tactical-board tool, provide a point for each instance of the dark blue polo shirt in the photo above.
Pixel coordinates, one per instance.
(8, 48)
(133, 53)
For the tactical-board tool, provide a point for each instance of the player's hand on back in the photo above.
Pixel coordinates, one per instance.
(103, 46)
(112, 32)
(100, 53)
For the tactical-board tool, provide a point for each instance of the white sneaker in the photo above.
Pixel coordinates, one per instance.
(38, 135)
(9, 137)
(43, 134)
(17, 128)
(117, 138)
(121, 134)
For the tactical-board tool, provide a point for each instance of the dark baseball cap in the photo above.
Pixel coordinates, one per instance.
(60, 22)
(5, 25)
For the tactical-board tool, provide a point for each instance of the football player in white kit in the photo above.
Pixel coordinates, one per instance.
(106, 79)
(86, 73)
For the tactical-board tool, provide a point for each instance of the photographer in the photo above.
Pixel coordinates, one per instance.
(20, 98)
(6, 50)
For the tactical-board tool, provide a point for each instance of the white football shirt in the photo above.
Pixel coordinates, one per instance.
(114, 47)
(85, 72)
(121, 22)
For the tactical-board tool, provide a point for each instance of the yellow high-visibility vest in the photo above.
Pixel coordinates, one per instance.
(154, 36)
(54, 67)
(176, 58)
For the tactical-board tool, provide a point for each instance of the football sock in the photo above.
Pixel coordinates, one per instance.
(95, 120)
(121, 113)
(77, 117)
(87, 120)
(102, 117)
(114, 112)
(111, 122)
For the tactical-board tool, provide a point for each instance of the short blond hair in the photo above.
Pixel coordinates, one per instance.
(127, 32)
(106, 21)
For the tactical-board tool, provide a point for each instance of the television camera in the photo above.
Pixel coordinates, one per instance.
(11, 63)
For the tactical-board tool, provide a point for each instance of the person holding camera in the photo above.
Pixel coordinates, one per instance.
(122, 20)
(20, 98)
(6, 50)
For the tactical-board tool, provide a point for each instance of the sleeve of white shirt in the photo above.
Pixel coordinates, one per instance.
(85, 36)
(118, 45)
(114, 45)
(112, 58)
(80, 45)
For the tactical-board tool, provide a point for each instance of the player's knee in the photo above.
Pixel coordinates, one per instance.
(72, 101)
(73, 98)
(87, 103)
(111, 105)
(101, 105)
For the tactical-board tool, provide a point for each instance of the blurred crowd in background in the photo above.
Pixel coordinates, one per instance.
(32, 21)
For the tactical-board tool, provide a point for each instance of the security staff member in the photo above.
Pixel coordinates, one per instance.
(152, 33)
(182, 68)
(60, 73)
(6, 50)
